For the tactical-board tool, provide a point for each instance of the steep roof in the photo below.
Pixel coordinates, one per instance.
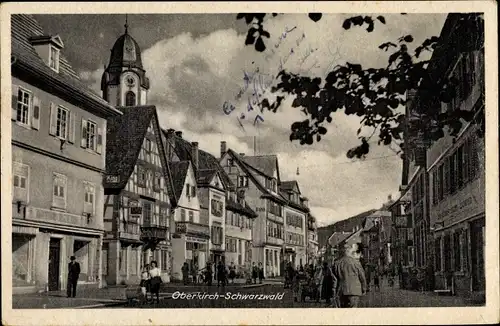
(265, 164)
(250, 171)
(206, 176)
(124, 138)
(28, 62)
(206, 161)
(338, 237)
(179, 172)
(233, 206)
(289, 185)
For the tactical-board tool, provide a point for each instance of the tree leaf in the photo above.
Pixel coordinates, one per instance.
(259, 45)
(265, 33)
(240, 16)
(408, 38)
(315, 17)
(346, 24)
(248, 18)
(381, 19)
(250, 38)
(322, 130)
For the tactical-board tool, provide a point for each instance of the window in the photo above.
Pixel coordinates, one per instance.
(157, 182)
(183, 214)
(146, 150)
(217, 208)
(89, 200)
(54, 59)
(193, 191)
(274, 208)
(457, 252)
(164, 217)
(216, 235)
(59, 191)
(147, 212)
(188, 190)
(230, 162)
(243, 181)
(20, 173)
(91, 141)
(62, 123)
(191, 216)
(130, 99)
(22, 106)
(141, 176)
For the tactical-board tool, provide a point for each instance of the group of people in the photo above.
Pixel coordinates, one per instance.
(341, 283)
(151, 281)
(220, 272)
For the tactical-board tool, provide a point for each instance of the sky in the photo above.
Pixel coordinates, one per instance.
(197, 62)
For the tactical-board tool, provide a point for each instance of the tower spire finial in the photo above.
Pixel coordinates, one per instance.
(126, 24)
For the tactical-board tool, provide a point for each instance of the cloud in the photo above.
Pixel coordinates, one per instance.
(191, 78)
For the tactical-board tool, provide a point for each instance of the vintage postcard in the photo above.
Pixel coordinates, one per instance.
(186, 163)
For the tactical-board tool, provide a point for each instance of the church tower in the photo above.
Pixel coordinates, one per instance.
(124, 81)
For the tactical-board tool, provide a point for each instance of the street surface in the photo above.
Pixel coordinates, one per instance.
(257, 296)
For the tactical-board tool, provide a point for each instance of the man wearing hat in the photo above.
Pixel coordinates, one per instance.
(73, 274)
(349, 281)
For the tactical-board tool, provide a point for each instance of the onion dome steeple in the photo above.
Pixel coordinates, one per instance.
(124, 80)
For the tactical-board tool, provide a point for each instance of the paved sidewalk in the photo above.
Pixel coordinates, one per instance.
(111, 296)
(396, 297)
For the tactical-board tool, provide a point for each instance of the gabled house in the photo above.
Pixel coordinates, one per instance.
(139, 199)
(58, 158)
(262, 194)
(212, 184)
(190, 242)
(295, 224)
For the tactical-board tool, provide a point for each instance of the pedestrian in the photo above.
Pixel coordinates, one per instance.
(73, 275)
(232, 272)
(261, 273)
(155, 281)
(326, 283)
(221, 274)
(208, 274)
(194, 273)
(145, 283)
(349, 277)
(185, 273)
(255, 273)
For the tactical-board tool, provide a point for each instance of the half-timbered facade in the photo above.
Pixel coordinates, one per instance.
(139, 197)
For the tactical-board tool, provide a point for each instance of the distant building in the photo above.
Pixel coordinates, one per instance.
(312, 238)
(295, 250)
(58, 159)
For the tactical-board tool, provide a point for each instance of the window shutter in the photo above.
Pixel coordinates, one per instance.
(53, 119)
(71, 127)
(15, 91)
(35, 118)
(99, 140)
(83, 141)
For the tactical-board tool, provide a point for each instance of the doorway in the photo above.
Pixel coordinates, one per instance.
(477, 255)
(54, 263)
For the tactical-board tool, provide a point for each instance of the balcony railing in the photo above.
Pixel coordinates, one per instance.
(154, 230)
(191, 228)
(130, 231)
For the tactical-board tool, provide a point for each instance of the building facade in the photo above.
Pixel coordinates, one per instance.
(263, 197)
(456, 163)
(139, 199)
(58, 160)
(294, 250)
(190, 243)
(312, 240)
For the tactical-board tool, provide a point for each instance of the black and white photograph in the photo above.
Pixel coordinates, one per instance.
(256, 156)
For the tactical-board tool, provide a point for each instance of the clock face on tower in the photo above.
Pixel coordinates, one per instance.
(130, 81)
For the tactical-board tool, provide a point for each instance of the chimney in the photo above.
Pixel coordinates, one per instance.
(223, 148)
(242, 154)
(178, 134)
(194, 154)
(389, 198)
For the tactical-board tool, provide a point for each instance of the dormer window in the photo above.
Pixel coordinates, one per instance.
(48, 48)
(54, 58)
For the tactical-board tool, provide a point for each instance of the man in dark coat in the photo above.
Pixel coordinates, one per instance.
(349, 277)
(73, 274)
